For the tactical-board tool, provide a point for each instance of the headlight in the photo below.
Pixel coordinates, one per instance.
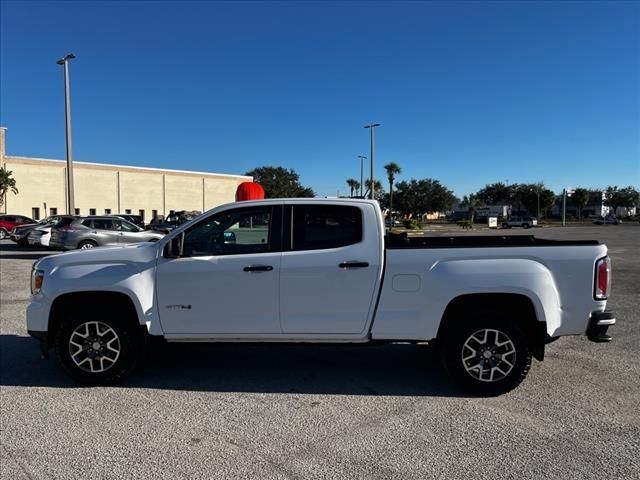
(37, 277)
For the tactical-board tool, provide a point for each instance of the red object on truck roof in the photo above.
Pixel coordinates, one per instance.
(249, 191)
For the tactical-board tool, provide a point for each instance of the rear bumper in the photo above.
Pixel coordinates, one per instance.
(599, 323)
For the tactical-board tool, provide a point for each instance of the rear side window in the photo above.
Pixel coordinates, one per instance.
(325, 226)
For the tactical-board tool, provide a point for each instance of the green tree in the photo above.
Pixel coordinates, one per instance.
(353, 185)
(417, 197)
(580, 199)
(471, 201)
(392, 169)
(279, 182)
(615, 197)
(530, 196)
(496, 194)
(7, 184)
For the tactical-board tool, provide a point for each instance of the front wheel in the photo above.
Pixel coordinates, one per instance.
(96, 352)
(3, 234)
(487, 357)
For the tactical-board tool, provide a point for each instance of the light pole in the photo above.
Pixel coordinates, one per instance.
(362, 159)
(371, 127)
(67, 113)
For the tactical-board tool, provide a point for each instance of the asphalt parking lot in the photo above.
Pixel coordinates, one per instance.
(303, 412)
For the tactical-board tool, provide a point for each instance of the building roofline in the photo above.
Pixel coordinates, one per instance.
(113, 165)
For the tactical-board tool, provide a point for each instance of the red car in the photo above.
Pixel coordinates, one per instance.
(7, 222)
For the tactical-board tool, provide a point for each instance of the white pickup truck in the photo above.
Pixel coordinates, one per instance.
(321, 270)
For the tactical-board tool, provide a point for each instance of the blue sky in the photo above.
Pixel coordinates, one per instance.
(468, 93)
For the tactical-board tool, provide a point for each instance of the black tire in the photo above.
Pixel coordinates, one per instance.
(3, 234)
(128, 346)
(85, 244)
(505, 225)
(453, 350)
(526, 225)
(23, 242)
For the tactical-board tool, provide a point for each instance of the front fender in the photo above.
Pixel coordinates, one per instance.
(127, 278)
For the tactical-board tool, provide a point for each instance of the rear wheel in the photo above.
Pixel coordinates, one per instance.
(486, 356)
(525, 225)
(96, 351)
(3, 234)
(505, 225)
(87, 244)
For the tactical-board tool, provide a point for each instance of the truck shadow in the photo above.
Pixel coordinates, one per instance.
(399, 370)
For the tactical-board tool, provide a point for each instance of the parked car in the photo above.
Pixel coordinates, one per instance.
(9, 222)
(607, 221)
(90, 232)
(524, 222)
(20, 233)
(322, 270)
(135, 219)
(39, 235)
(172, 221)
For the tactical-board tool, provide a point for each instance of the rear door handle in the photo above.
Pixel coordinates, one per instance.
(258, 268)
(353, 265)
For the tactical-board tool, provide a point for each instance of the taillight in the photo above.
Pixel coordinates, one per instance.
(603, 279)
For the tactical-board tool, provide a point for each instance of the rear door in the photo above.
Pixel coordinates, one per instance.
(331, 269)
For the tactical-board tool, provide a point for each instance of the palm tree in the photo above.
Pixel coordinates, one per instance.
(377, 188)
(392, 169)
(353, 185)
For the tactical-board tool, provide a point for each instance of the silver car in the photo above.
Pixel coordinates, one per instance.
(90, 232)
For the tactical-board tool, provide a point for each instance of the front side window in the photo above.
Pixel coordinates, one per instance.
(325, 226)
(239, 231)
(125, 226)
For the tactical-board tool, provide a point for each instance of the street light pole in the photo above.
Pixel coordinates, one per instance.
(362, 159)
(371, 128)
(70, 200)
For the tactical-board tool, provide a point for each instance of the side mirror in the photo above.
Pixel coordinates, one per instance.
(229, 237)
(173, 249)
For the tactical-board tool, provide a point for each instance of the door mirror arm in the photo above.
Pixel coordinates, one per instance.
(174, 248)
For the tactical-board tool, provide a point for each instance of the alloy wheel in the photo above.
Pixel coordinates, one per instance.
(488, 355)
(94, 347)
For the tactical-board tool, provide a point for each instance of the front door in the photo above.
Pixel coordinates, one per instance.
(226, 280)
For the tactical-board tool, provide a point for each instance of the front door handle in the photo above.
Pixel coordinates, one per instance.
(353, 265)
(258, 268)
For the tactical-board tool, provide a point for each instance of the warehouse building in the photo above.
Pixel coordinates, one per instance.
(103, 188)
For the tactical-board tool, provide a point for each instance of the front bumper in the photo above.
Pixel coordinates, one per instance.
(599, 323)
(43, 340)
